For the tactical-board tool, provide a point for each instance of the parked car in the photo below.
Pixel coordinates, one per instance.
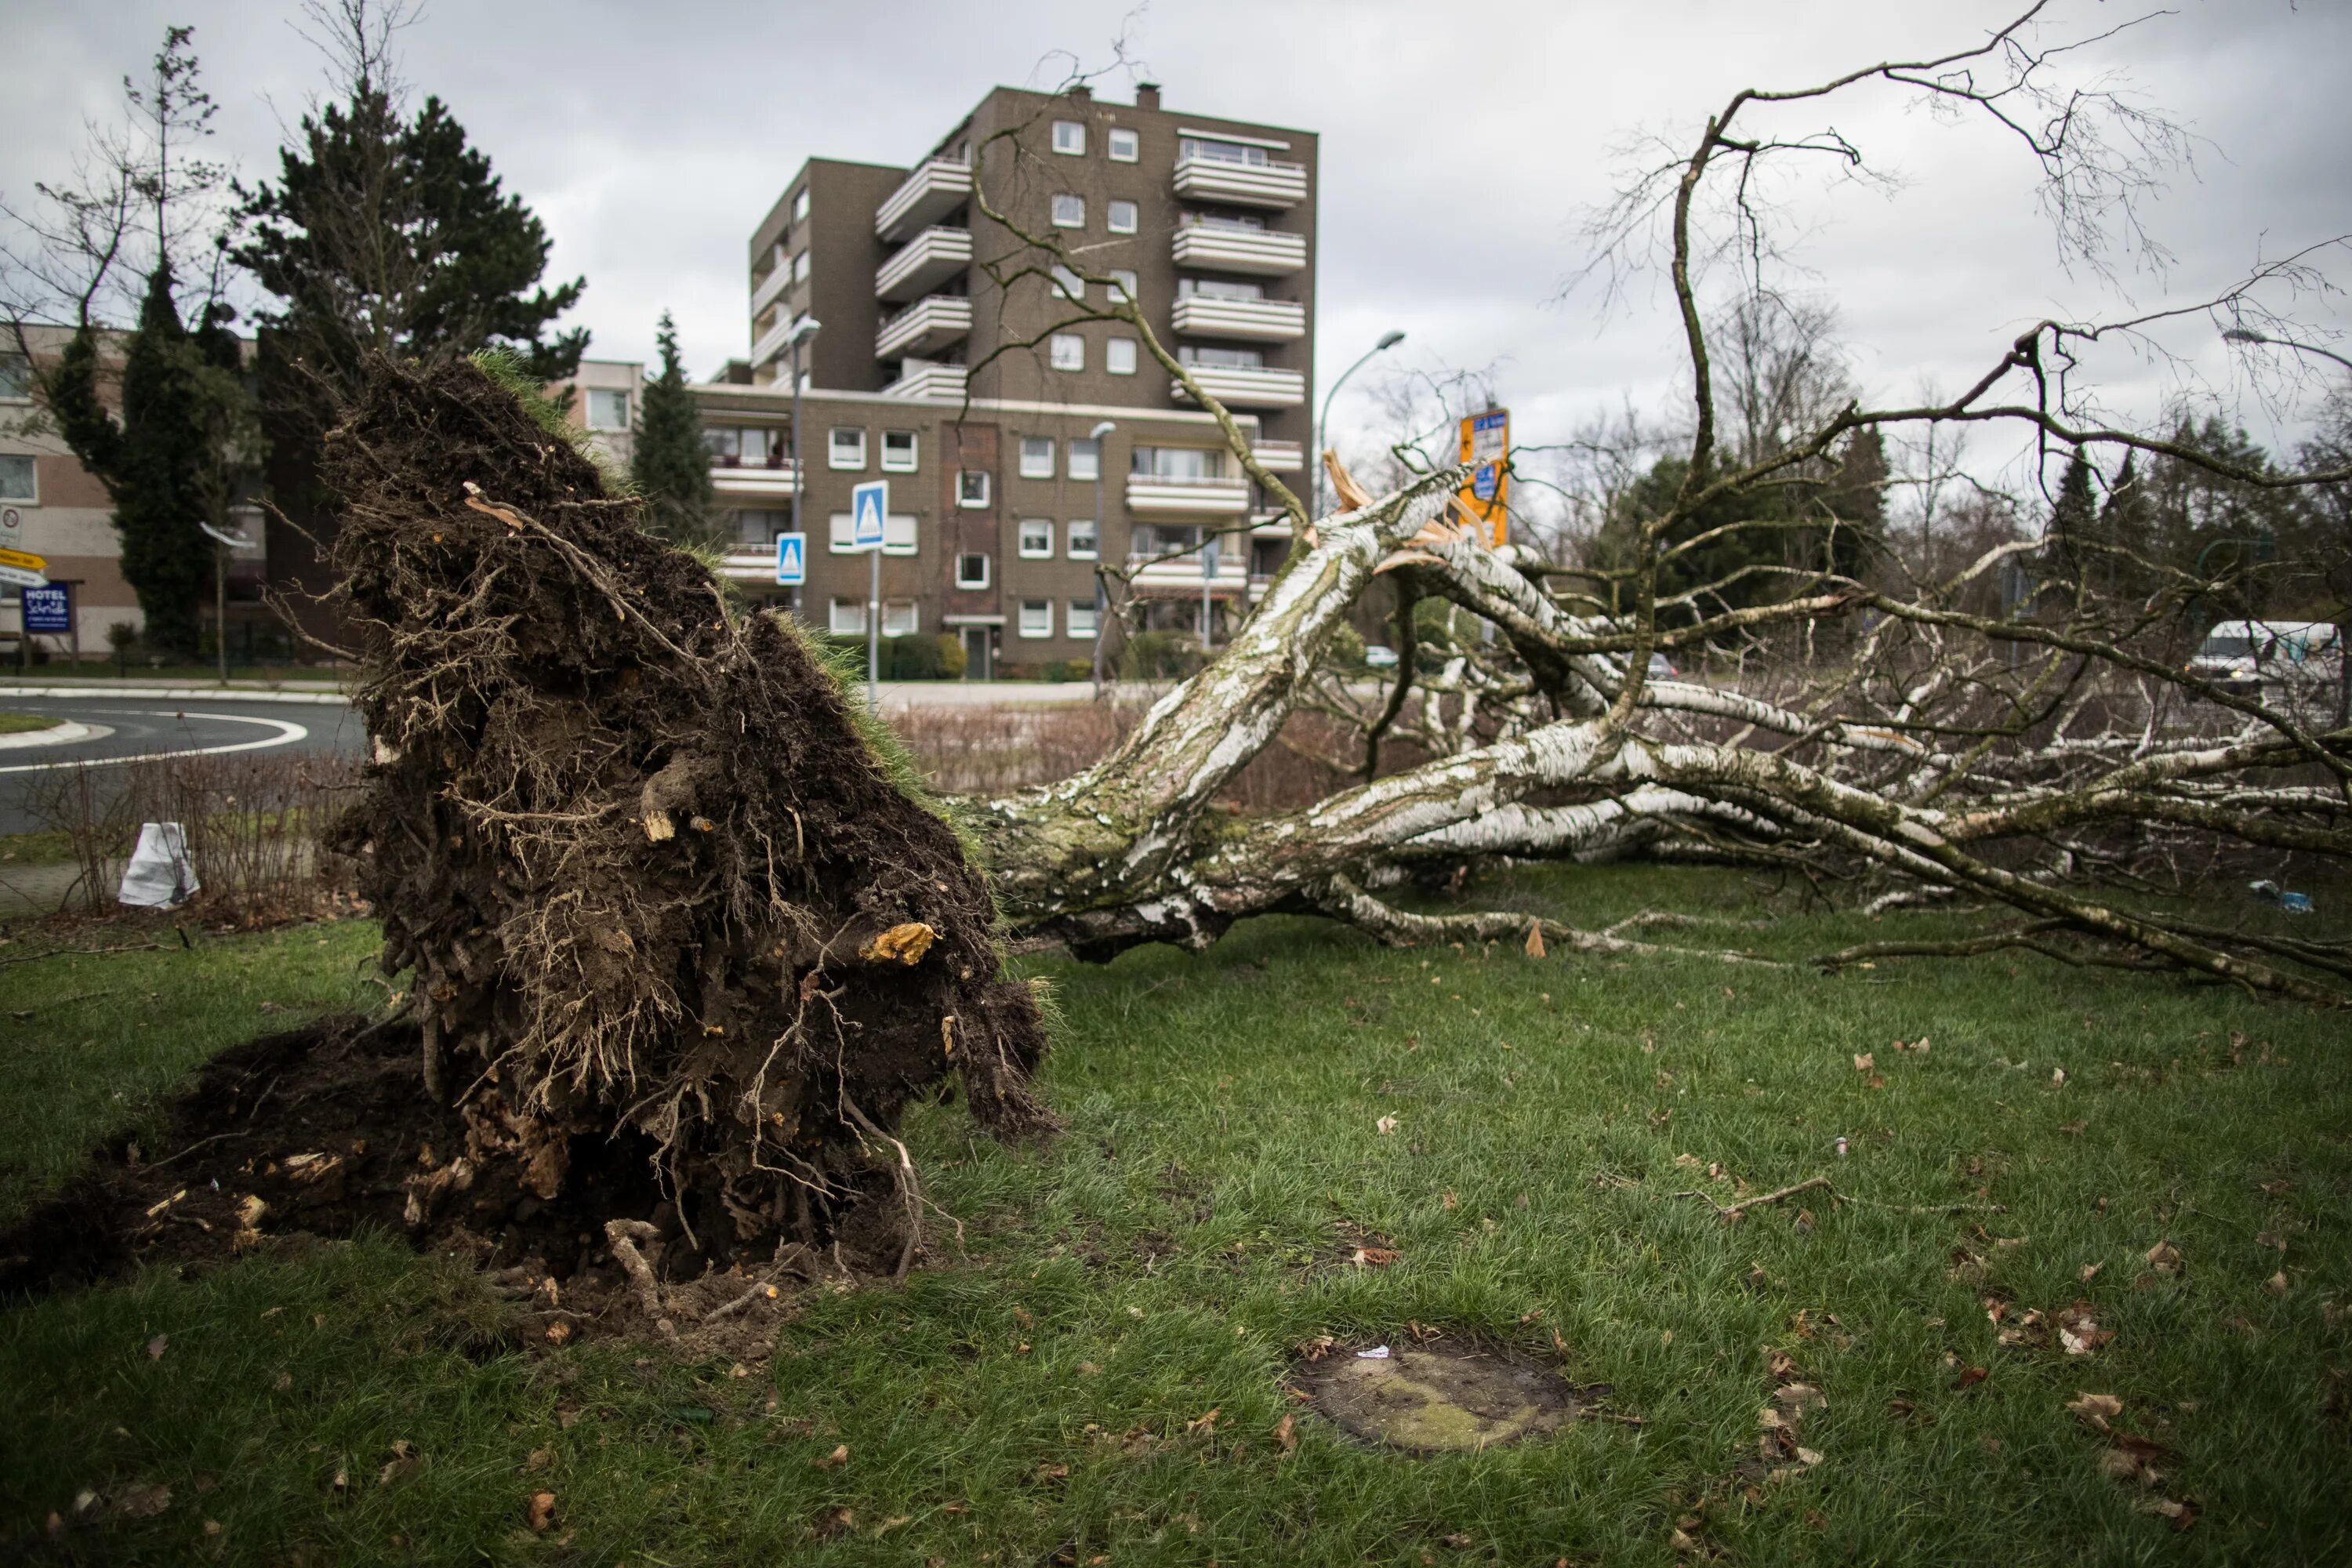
(1379, 658)
(1661, 668)
(2295, 655)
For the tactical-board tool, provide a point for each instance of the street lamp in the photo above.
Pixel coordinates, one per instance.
(226, 541)
(1102, 597)
(802, 331)
(1389, 339)
(2248, 335)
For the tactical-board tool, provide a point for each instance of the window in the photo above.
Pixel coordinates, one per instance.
(1067, 351)
(1069, 284)
(1126, 146)
(1069, 211)
(800, 204)
(800, 267)
(18, 480)
(1177, 462)
(1082, 543)
(1086, 457)
(1165, 538)
(1232, 225)
(900, 618)
(972, 571)
(744, 447)
(971, 486)
(1223, 358)
(1218, 288)
(1037, 539)
(16, 378)
(1036, 617)
(899, 534)
(1123, 284)
(1220, 151)
(848, 619)
(1121, 217)
(1070, 138)
(759, 529)
(608, 409)
(1036, 456)
(1082, 621)
(897, 451)
(848, 449)
(1118, 356)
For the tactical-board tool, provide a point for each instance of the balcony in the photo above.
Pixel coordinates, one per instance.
(918, 378)
(1252, 320)
(750, 563)
(934, 190)
(770, 344)
(1180, 577)
(1159, 496)
(764, 293)
(1258, 252)
(928, 260)
(1243, 386)
(1273, 186)
(1282, 457)
(927, 324)
(775, 478)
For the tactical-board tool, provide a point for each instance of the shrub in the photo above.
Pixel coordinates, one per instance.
(1158, 656)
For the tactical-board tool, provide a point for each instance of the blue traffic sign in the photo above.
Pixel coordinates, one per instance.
(49, 609)
(869, 503)
(792, 560)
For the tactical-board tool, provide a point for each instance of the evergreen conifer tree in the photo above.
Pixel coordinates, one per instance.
(668, 463)
(2074, 515)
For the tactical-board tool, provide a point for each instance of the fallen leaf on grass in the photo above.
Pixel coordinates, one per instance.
(142, 1501)
(839, 1457)
(1375, 1257)
(2164, 1257)
(539, 1512)
(1285, 1432)
(1204, 1423)
(2074, 1128)
(2182, 1514)
(1863, 1061)
(1970, 1376)
(156, 1346)
(2088, 1272)
(1459, 1542)
(836, 1520)
(1385, 1125)
(2277, 1284)
(2078, 1328)
(1053, 1472)
(2270, 1239)
(2057, 1077)
(2097, 1409)
(403, 1464)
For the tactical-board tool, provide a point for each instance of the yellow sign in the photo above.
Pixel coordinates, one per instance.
(1486, 499)
(24, 560)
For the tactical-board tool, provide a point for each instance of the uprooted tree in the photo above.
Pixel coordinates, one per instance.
(654, 872)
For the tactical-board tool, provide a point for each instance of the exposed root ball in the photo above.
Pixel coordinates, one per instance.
(650, 873)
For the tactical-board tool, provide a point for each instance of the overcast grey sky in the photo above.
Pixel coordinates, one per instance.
(1460, 144)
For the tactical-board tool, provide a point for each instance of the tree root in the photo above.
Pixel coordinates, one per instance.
(1822, 1184)
(623, 1236)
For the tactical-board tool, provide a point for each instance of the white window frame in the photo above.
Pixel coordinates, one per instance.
(801, 267)
(1073, 204)
(801, 204)
(1124, 284)
(1069, 284)
(1081, 446)
(1070, 138)
(1111, 210)
(1129, 138)
(1036, 456)
(1092, 534)
(1067, 351)
(1111, 357)
(1035, 539)
(967, 495)
(594, 393)
(901, 534)
(32, 467)
(1022, 623)
(987, 571)
(1075, 608)
(906, 464)
(893, 609)
(851, 624)
(833, 448)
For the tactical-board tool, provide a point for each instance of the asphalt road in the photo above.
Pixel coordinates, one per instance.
(147, 727)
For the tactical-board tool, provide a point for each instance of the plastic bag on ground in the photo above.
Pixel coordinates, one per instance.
(160, 875)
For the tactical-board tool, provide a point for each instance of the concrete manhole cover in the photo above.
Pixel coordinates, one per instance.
(1437, 1398)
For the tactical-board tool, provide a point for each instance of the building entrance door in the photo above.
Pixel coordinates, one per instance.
(979, 653)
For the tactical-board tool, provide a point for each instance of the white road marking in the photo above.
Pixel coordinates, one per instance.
(285, 733)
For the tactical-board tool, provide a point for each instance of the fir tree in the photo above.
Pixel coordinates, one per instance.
(2074, 515)
(668, 463)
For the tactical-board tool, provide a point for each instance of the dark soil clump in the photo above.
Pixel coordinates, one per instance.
(666, 898)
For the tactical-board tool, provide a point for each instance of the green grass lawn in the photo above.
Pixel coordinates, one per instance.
(26, 723)
(1042, 1402)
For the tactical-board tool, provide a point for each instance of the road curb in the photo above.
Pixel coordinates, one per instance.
(54, 735)
(175, 694)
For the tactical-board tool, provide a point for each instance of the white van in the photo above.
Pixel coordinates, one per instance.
(2244, 655)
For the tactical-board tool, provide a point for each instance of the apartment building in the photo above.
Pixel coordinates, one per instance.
(979, 397)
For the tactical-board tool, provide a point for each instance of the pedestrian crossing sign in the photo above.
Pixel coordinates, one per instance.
(792, 560)
(868, 504)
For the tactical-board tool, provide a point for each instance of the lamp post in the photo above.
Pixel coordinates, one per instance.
(223, 543)
(1389, 339)
(1102, 598)
(2248, 335)
(802, 331)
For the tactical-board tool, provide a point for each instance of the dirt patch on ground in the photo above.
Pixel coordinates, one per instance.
(300, 1138)
(1436, 1397)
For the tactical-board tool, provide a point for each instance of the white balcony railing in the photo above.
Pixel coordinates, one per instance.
(1252, 320)
(764, 292)
(1273, 186)
(770, 344)
(1282, 457)
(934, 190)
(918, 379)
(758, 479)
(923, 263)
(1244, 386)
(1259, 252)
(1180, 576)
(749, 564)
(1163, 496)
(925, 325)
